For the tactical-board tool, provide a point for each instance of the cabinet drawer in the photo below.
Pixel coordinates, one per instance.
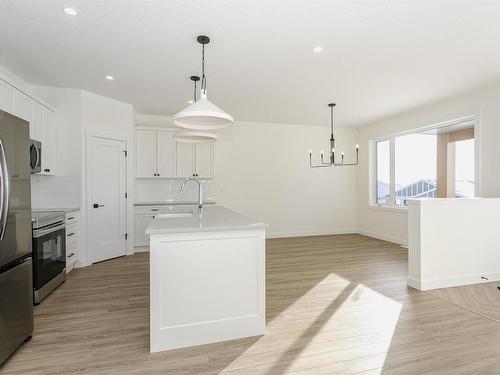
(72, 218)
(151, 210)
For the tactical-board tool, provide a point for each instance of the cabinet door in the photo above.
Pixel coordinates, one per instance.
(204, 160)
(165, 154)
(23, 106)
(141, 223)
(146, 153)
(185, 159)
(36, 126)
(48, 142)
(6, 97)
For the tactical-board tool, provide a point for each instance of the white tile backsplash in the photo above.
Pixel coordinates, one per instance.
(152, 190)
(55, 191)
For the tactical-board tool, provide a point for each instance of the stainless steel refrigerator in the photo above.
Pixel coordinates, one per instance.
(16, 285)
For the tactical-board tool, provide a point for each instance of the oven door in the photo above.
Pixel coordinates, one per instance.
(36, 156)
(49, 253)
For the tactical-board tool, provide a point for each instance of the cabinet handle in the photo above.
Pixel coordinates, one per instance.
(70, 234)
(71, 218)
(70, 255)
(46, 170)
(154, 209)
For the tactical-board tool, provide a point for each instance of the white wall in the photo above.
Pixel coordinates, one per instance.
(262, 171)
(392, 224)
(453, 242)
(102, 116)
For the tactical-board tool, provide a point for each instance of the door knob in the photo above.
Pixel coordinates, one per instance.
(96, 205)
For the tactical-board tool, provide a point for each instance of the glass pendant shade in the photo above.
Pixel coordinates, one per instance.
(203, 115)
(195, 137)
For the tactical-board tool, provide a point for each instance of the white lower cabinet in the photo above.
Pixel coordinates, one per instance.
(141, 223)
(143, 216)
(72, 239)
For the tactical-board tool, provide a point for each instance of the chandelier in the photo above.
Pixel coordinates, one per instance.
(332, 161)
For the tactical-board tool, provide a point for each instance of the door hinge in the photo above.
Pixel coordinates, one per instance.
(126, 236)
(126, 195)
(125, 152)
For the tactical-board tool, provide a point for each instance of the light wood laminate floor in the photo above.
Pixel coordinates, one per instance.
(335, 305)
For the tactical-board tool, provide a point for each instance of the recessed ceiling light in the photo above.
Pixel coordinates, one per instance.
(110, 78)
(317, 49)
(190, 102)
(70, 11)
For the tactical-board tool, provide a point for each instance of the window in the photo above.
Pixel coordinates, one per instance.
(437, 162)
(415, 167)
(383, 172)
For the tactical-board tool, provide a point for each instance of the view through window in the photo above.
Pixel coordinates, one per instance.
(464, 168)
(436, 163)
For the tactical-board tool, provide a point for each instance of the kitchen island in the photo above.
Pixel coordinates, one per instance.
(207, 277)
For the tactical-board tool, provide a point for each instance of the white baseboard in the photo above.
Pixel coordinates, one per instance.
(453, 281)
(310, 233)
(141, 249)
(399, 241)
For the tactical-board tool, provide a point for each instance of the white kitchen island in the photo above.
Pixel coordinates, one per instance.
(207, 277)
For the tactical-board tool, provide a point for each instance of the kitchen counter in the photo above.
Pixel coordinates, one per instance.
(212, 218)
(207, 278)
(172, 203)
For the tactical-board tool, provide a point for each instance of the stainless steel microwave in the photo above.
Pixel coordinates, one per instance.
(36, 156)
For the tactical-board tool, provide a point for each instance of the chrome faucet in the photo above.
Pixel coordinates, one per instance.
(200, 190)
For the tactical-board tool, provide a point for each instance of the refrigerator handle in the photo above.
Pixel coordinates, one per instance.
(4, 191)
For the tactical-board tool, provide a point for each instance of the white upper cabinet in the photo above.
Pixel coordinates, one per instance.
(159, 156)
(155, 154)
(185, 159)
(36, 126)
(204, 160)
(194, 160)
(6, 97)
(41, 119)
(48, 142)
(165, 166)
(146, 153)
(23, 106)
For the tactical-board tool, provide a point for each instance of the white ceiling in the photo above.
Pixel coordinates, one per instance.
(379, 57)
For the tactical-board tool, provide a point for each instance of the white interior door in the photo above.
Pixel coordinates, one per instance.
(107, 220)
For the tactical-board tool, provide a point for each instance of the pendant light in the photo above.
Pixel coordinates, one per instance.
(332, 161)
(195, 136)
(203, 114)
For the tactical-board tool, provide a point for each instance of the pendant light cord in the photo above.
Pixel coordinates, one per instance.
(203, 78)
(195, 91)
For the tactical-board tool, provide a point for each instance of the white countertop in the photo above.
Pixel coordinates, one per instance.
(172, 203)
(213, 218)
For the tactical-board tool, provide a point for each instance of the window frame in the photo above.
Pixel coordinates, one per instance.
(373, 193)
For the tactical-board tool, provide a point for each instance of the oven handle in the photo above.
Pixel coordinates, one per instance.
(5, 191)
(37, 233)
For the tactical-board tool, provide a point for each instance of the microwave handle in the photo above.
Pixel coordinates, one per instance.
(4, 191)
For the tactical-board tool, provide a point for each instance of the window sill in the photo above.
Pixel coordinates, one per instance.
(395, 209)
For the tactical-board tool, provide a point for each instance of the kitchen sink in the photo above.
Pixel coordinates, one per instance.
(173, 215)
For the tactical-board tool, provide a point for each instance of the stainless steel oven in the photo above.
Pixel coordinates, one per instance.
(36, 156)
(49, 252)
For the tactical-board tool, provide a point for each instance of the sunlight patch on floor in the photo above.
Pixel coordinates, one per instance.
(335, 327)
